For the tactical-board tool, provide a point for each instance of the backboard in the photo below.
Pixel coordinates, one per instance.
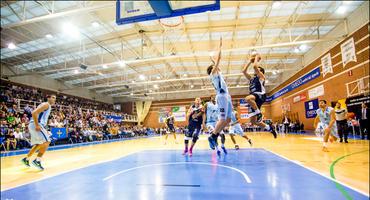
(137, 11)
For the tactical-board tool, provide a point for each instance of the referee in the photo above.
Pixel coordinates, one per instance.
(341, 118)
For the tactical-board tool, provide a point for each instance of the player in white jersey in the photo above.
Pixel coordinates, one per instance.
(40, 138)
(211, 117)
(223, 98)
(326, 115)
(235, 128)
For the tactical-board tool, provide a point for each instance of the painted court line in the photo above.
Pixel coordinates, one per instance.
(246, 177)
(317, 172)
(76, 145)
(101, 162)
(340, 188)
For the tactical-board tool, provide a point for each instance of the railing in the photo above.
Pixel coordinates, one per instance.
(21, 103)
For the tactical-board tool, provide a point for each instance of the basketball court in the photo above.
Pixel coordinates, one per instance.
(149, 58)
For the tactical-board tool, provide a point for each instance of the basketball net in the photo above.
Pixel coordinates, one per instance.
(173, 29)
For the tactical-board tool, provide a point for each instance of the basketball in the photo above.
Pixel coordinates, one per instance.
(255, 55)
(351, 115)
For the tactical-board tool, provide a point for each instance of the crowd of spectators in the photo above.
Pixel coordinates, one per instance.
(85, 120)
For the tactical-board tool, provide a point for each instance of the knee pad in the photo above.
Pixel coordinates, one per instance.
(215, 136)
(223, 138)
(195, 138)
(188, 135)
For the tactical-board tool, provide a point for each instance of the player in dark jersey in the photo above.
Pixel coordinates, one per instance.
(170, 121)
(195, 117)
(257, 91)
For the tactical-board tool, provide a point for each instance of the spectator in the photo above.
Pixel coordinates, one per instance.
(21, 139)
(28, 111)
(81, 116)
(10, 139)
(11, 119)
(4, 128)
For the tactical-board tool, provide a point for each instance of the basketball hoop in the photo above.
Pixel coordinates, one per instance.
(171, 22)
(173, 30)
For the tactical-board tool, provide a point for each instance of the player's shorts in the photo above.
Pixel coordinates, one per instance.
(236, 129)
(193, 131)
(211, 126)
(333, 131)
(171, 128)
(225, 106)
(260, 99)
(38, 137)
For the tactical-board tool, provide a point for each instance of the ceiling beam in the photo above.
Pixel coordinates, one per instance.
(77, 11)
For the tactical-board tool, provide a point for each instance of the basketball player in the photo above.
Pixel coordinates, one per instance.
(40, 139)
(235, 128)
(195, 116)
(326, 115)
(257, 91)
(170, 121)
(209, 121)
(223, 98)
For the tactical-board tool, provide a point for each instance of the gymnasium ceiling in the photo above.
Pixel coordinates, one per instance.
(121, 60)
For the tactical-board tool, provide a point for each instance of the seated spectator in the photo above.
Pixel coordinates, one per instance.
(10, 139)
(11, 119)
(4, 128)
(98, 133)
(73, 135)
(28, 111)
(21, 140)
(114, 131)
(13, 109)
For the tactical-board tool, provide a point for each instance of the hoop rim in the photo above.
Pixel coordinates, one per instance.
(172, 25)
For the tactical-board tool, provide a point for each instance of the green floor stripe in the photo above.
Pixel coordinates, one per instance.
(339, 186)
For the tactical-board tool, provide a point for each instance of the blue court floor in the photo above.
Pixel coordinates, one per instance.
(244, 174)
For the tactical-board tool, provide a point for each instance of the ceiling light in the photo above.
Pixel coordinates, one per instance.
(156, 86)
(71, 30)
(158, 77)
(131, 93)
(95, 24)
(185, 75)
(150, 90)
(105, 66)
(49, 36)
(296, 50)
(341, 10)
(347, 2)
(191, 86)
(142, 77)
(76, 71)
(122, 63)
(276, 4)
(303, 47)
(237, 85)
(11, 46)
